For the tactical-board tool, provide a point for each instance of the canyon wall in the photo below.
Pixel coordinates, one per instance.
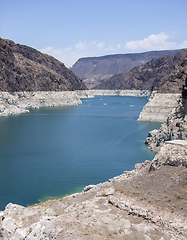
(174, 128)
(159, 107)
(130, 93)
(23, 68)
(175, 125)
(20, 102)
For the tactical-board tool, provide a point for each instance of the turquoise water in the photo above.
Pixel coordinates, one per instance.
(52, 152)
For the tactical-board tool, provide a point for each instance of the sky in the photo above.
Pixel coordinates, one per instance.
(72, 29)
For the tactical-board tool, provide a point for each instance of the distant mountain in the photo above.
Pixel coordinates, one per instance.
(23, 68)
(95, 70)
(149, 76)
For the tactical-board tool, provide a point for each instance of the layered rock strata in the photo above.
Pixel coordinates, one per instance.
(131, 93)
(145, 203)
(21, 102)
(159, 107)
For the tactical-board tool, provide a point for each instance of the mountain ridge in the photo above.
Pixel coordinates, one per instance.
(95, 70)
(25, 69)
(148, 76)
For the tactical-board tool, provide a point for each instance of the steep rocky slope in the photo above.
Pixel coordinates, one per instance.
(159, 106)
(148, 76)
(175, 127)
(177, 81)
(95, 70)
(23, 68)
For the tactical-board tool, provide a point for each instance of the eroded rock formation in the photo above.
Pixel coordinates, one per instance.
(21, 102)
(175, 127)
(159, 107)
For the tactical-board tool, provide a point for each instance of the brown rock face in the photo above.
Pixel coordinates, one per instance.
(149, 76)
(175, 127)
(177, 82)
(25, 69)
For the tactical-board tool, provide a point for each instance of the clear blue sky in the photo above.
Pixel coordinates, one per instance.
(70, 29)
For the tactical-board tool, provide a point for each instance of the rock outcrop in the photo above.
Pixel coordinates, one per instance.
(21, 102)
(95, 70)
(177, 81)
(23, 68)
(175, 127)
(159, 107)
(173, 153)
(149, 76)
(131, 93)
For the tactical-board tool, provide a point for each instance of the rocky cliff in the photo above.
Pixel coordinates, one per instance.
(95, 70)
(159, 106)
(20, 102)
(131, 93)
(175, 127)
(23, 68)
(148, 76)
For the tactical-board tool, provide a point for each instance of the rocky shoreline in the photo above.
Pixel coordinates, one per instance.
(174, 128)
(129, 93)
(135, 205)
(159, 107)
(146, 203)
(20, 102)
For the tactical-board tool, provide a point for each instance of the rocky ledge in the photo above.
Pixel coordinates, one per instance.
(172, 97)
(21, 102)
(130, 93)
(146, 203)
(159, 107)
(174, 128)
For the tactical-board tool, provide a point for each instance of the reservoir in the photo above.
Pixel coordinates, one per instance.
(51, 152)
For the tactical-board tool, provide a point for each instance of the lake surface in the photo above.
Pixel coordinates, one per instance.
(52, 152)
